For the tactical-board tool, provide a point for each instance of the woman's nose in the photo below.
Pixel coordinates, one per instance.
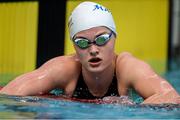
(94, 51)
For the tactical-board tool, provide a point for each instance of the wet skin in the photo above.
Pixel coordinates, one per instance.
(98, 65)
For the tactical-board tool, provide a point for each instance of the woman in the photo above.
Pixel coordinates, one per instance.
(94, 71)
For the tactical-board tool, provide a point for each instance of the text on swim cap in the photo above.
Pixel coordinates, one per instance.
(99, 7)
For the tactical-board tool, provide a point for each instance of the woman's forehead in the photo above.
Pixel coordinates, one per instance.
(93, 31)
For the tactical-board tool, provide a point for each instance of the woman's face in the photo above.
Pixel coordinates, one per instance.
(95, 58)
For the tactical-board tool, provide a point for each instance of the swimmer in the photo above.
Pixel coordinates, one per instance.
(95, 71)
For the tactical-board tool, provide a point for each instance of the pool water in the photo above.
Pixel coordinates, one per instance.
(46, 108)
(33, 107)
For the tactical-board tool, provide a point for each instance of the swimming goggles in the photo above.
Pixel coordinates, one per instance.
(101, 40)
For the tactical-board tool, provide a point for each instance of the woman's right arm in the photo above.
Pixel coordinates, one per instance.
(54, 73)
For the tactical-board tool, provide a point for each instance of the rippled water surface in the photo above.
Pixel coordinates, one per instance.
(35, 107)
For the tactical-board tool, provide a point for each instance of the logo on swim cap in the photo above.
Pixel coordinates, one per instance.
(99, 7)
(88, 15)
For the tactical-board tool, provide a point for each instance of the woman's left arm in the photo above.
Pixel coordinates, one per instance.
(153, 88)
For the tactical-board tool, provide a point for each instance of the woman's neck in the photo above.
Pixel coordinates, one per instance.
(98, 83)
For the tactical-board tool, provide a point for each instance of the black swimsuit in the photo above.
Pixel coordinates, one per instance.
(82, 91)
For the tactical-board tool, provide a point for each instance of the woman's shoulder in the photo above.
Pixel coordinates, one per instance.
(124, 57)
(63, 68)
(63, 60)
(125, 64)
(68, 63)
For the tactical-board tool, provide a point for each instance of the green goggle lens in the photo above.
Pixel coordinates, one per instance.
(101, 40)
(83, 43)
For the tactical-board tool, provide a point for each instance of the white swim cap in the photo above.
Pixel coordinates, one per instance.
(87, 15)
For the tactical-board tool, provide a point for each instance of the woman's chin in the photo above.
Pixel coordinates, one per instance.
(95, 69)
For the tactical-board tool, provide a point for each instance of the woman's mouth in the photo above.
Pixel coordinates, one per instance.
(95, 62)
